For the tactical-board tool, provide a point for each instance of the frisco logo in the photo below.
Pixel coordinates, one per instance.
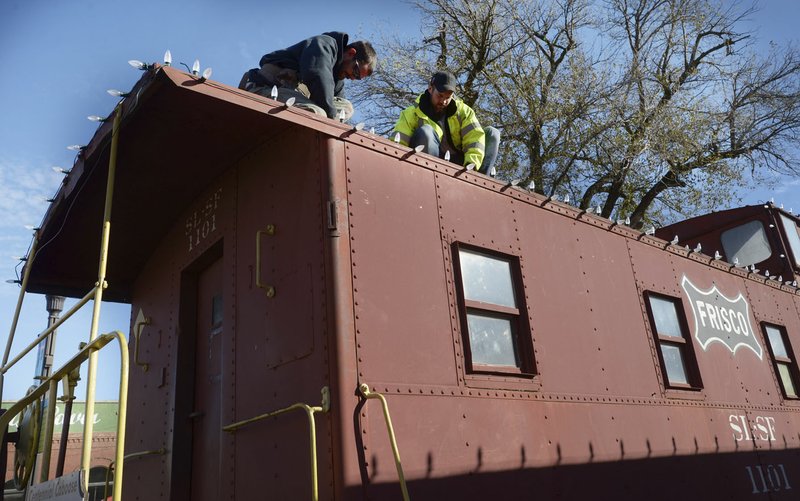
(718, 318)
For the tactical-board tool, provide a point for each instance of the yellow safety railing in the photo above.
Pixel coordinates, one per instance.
(309, 410)
(51, 383)
(91, 349)
(364, 389)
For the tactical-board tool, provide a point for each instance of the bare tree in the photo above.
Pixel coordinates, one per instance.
(658, 107)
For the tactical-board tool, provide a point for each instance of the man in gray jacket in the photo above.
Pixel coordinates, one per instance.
(313, 72)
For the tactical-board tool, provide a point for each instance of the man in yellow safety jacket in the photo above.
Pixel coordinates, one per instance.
(442, 123)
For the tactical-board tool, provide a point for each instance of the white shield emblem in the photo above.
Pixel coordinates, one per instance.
(718, 318)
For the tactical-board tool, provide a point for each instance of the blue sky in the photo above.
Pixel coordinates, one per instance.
(58, 58)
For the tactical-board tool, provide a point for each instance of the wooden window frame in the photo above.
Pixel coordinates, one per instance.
(685, 345)
(518, 317)
(791, 363)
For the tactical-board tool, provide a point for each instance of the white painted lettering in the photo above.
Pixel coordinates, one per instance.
(712, 315)
(733, 420)
(760, 432)
(761, 427)
(743, 323)
(701, 311)
(726, 323)
(771, 425)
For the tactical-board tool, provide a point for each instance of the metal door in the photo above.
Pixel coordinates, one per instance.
(206, 427)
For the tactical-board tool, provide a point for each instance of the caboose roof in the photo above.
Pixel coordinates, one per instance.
(689, 229)
(177, 135)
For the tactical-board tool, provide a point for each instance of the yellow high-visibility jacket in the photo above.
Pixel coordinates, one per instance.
(467, 135)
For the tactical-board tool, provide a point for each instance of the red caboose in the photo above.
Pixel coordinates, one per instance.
(526, 349)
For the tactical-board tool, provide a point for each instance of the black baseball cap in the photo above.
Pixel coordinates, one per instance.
(444, 81)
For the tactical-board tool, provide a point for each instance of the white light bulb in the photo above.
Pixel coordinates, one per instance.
(290, 102)
(117, 93)
(75, 147)
(196, 67)
(419, 148)
(95, 118)
(207, 73)
(397, 138)
(137, 64)
(274, 92)
(167, 58)
(447, 156)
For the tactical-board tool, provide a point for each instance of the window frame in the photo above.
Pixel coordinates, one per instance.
(686, 346)
(731, 255)
(795, 253)
(518, 317)
(791, 363)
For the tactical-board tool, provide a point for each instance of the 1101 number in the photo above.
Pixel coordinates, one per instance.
(769, 478)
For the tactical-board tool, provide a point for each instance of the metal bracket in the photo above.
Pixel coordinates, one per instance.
(138, 325)
(268, 289)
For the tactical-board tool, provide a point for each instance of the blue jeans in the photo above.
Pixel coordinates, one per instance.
(426, 136)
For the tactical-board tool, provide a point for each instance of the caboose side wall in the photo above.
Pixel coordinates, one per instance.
(598, 396)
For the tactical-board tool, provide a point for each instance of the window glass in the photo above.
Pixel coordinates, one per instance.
(747, 243)
(791, 230)
(665, 316)
(491, 341)
(673, 360)
(786, 379)
(486, 279)
(776, 341)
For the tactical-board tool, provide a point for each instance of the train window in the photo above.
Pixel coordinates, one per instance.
(747, 243)
(793, 236)
(492, 313)
(782, 359)
(676, 355)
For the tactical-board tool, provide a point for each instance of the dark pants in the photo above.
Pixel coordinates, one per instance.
(426, 136)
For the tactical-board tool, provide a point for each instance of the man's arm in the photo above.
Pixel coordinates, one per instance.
(473, 139)
(316, 71)
(405, 126)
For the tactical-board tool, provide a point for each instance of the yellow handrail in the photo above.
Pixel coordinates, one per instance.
(85, 299)
(309, 410)
(85, 353)
(364, 389)
(100, 285)
(23, 286)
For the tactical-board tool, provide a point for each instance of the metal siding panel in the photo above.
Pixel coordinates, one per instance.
(281, 346)
(403, 319)
(587, 320)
